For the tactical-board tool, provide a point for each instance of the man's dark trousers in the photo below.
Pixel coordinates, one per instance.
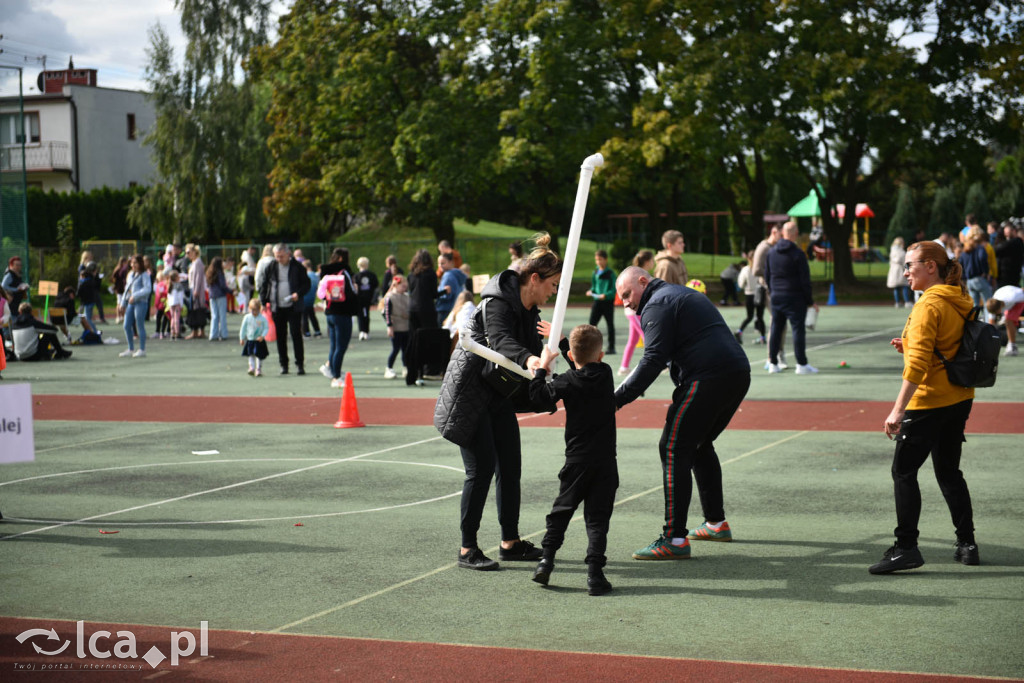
(289, 320)
(700, 412)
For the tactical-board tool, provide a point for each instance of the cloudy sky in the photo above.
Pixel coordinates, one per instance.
(110, 36)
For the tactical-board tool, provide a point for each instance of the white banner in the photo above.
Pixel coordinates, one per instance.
(17, 441)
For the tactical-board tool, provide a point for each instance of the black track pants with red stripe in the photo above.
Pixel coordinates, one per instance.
(700, 411)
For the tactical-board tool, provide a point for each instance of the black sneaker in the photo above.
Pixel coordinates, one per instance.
(475, 559)
(966, 553)
(299, 370)
(543, 571)
(284, 369)
(520, 550)
(896, 559)
(596, 583)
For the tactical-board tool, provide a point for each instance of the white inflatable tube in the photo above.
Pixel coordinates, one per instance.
(490, 354)
(571, 247)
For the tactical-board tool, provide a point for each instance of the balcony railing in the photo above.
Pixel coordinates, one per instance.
(48, 156)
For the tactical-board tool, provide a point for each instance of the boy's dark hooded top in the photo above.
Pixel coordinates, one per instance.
(588, 394)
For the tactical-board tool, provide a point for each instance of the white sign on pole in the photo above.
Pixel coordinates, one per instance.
(17, 440)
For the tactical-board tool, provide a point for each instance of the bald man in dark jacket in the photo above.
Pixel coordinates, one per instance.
(684, 330)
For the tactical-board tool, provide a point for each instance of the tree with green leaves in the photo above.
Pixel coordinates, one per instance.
(1008, 183)
(904, 220)
(977, 204)
(209, 138)
(376, 113)
(835, 87)
(945, 214)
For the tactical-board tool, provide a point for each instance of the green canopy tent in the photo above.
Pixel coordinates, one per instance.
(808, 206)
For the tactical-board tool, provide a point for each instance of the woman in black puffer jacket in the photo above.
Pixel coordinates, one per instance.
(472, 414)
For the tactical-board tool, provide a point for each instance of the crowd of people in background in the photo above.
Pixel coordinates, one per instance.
(183, 296)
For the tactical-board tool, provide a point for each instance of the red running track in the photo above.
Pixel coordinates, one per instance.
(249, 656)
(856, 416)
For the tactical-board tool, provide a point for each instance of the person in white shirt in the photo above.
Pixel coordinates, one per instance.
(1011, 300)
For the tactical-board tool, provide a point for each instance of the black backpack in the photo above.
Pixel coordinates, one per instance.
(977, 359)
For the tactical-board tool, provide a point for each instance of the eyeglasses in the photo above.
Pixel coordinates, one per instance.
(906, 266)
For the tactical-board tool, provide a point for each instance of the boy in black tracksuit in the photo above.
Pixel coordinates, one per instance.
(590, 475)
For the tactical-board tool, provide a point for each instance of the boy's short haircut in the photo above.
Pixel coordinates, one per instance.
(994, 306)
(669, 237)
(25, 307)
(585, 343)
(363, 263)
(602, 253)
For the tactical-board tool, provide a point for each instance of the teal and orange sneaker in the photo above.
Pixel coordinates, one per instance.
(706, 533)
(662, 549)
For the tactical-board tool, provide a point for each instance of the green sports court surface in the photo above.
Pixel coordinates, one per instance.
(320, 553)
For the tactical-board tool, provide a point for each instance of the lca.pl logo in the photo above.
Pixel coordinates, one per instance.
(182, 644)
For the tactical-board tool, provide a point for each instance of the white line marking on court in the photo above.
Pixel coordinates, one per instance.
(247, 521)
(218, 489)
(162, 464)
(189, 463)
(859, 337)
(453, 565)
(840, 342)
(79, 444)
(255, 519)
(766, 447)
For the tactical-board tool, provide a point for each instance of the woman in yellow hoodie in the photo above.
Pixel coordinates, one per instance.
(930, 413)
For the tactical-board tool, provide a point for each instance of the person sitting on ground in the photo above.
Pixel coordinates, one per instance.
(34, 339)
(66, 300)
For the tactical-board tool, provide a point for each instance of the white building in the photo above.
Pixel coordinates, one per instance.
(78, 136)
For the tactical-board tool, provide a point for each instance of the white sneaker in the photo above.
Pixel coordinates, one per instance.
(325, 371)
(1010, 350)
(125, 354)
(337, 384)
(420, 382)
(773, 369)
(806, 369)
(389, 374)
(139, 354)
(782, 360)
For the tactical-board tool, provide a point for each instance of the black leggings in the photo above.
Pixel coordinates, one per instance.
(495, 453)
(752, 311)
(399, 342)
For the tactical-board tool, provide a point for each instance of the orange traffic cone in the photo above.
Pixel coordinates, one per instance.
(348, 416)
